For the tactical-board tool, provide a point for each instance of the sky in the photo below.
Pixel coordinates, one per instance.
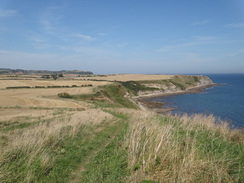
(123, 36)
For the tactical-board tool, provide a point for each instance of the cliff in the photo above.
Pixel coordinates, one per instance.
(177, 84)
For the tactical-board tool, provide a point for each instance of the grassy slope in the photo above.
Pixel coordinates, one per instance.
(181, 82)
(130, 146)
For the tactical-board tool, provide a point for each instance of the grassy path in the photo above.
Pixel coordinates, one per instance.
(112, 131)
(62, 157)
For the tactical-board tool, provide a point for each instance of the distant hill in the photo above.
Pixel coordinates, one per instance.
(22, 71)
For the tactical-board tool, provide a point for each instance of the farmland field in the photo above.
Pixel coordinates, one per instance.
(42, 97)
(131, 77)
(47, 97)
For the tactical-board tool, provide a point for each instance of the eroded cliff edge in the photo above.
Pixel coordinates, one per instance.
(178, 84)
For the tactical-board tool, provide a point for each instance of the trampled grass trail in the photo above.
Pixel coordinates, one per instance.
(107, 138)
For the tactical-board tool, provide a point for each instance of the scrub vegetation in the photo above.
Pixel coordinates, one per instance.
(112, 140)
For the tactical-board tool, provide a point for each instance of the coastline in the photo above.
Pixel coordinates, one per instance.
(144, 103)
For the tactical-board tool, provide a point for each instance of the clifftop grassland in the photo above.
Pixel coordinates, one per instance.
(100, 134)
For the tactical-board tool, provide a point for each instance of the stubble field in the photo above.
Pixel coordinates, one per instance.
(42, 97)
(132, 77)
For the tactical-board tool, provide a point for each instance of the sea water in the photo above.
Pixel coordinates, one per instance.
(225, 101)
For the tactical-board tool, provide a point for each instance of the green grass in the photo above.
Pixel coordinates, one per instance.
(66, 155)
(120, 115)
(183, 81)
(216, 149)
(87, 96)
(116, 93)
(136, 86)
(6, 126)
(108, 96)
(188, 152)
(110, 164)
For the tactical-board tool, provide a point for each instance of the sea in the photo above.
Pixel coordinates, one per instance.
(225, 101)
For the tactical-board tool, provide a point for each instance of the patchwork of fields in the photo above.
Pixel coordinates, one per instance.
(43, 97)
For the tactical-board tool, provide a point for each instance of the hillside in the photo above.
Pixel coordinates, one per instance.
(103, 136)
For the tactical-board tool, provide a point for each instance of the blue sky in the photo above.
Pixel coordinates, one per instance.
(123, 36)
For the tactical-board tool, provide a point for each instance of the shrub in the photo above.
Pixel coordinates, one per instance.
(17, 87)
(39, 86)
(65, 95)
(136, 86)
(55, 86)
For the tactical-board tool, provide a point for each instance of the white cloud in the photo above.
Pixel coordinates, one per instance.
(194, 41)
(102, 34)
(171, 47)
(7, 13)
(4, 52)
(236, 25)
(122, 45)
(46, 24)
(50, 18)
(18, 59)
(205, 38)
(203, 22)
(85, 37)
(235, 53)
(37, 39)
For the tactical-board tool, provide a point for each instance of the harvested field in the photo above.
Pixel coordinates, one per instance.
(43, 97)
(46, 83)
(130, 77)
(39, 97)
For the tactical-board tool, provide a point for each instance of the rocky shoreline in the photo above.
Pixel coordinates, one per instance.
(145, 102)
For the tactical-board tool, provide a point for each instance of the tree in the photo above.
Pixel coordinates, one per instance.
(55, 76)
(45, 76)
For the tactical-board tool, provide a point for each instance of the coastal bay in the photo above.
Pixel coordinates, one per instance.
(224, 100)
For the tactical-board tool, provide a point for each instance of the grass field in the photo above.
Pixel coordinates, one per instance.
(98, 135)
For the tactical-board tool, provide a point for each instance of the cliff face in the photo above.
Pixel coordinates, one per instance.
(177, 84)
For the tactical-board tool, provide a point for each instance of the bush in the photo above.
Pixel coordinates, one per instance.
(55, 86)
(65, 95)
(17, 87)
(39, 86)
(136, 86)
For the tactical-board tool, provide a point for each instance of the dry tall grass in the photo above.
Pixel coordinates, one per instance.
(174, 149)
(34, 141)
